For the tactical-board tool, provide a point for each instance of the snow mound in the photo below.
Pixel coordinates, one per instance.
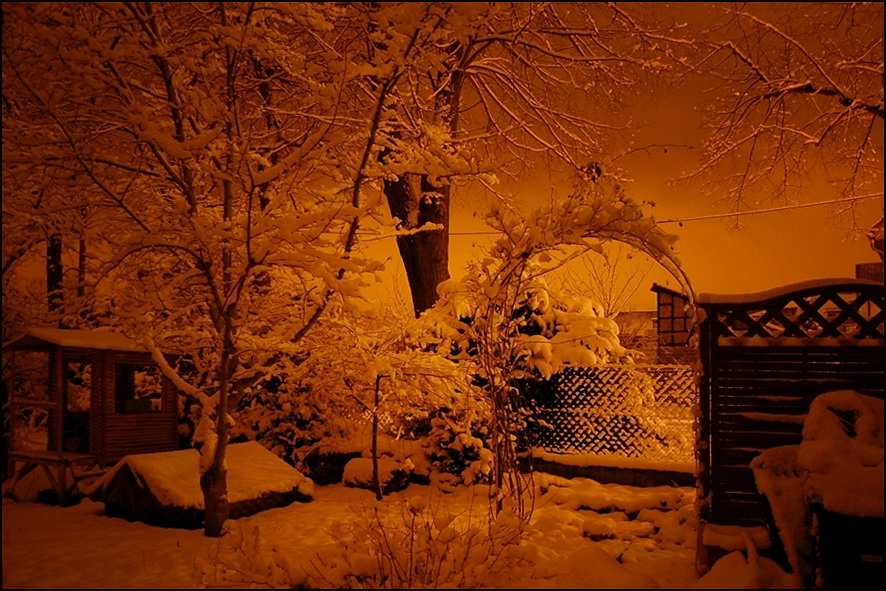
(843, 450)
(166, 485)
(392, 475)
(734, 571)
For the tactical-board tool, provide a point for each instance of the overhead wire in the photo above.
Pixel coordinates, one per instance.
(722, 215)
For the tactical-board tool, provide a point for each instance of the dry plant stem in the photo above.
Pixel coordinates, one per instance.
(376, 485)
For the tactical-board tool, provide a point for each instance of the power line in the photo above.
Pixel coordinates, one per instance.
(770, 210)
(721, 215)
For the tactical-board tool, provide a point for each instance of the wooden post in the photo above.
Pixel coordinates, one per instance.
(62, 483)
(10, 433)
(374, 442)
(57, 395)
(703, 444)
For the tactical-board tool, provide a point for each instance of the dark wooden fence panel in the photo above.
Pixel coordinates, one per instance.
(764, 361)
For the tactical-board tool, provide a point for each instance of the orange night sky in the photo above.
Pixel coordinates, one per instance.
(768, 250)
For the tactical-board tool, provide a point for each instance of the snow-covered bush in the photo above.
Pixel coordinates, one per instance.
(545, 329)
(457, 443)
(240, 560)
(281, 416)
(503, 321)
(356, 373)
(420, 545)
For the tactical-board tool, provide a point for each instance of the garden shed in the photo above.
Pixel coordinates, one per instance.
(84, 398)
(765, 358)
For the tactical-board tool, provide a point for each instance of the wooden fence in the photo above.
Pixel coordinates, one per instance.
(765, 357)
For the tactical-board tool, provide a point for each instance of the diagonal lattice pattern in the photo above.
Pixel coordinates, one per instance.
(825, 313)
(634, 411)
(765, 358)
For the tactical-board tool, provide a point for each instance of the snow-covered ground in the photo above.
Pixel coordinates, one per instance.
(582, 535)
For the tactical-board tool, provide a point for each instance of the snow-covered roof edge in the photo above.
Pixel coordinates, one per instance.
(102, 339)
(746, 298)
(663, 289)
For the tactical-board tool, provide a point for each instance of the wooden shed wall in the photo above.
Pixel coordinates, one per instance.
(116, 435)
(112, 435)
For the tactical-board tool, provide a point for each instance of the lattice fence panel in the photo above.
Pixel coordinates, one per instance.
(846, 314)
(638, 411)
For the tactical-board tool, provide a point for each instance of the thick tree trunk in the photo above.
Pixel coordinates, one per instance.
(425, 254)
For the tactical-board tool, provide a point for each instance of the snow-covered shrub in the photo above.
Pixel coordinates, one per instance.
(420, 545)
(503, 321)
(457, 443)
(239, 560)
(546, 329)
(509, 337)
(353, 375)
(284, 419)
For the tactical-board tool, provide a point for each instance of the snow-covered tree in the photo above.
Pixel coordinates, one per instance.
(493, 89)
(224, 152)
(611, 279)
(798, 94)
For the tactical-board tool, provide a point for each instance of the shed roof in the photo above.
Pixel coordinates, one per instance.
(51, 338)
(662, 289)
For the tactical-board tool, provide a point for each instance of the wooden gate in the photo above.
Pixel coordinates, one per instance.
(765, 357)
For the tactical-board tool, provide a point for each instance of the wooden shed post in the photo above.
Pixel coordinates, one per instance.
(57, 393)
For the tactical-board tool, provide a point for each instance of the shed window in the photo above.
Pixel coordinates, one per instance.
(78, 384)
(138, 388)
(674, 321)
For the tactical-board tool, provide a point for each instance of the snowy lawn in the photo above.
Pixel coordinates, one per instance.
(583, 534)
(578, 529)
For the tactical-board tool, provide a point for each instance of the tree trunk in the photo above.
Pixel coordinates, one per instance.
(425, 254)
(373, 444)
(54, 273)
(81, 267)
(214, 485)
(214, 481)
